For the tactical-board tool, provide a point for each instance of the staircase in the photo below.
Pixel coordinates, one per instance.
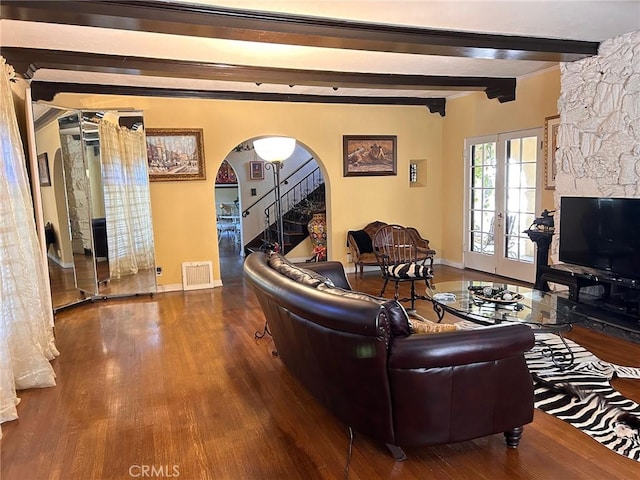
(299, 203)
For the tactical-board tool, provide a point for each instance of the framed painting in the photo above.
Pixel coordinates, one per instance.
(365, 155)
(175, 154)
(551, 125)
(226, 174)
(256, 170)
(43, 170)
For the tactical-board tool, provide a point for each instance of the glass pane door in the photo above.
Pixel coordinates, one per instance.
(502, 178)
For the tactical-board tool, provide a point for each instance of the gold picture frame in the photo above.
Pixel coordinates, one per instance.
(365, 155)
(551, 125)
(175, 154)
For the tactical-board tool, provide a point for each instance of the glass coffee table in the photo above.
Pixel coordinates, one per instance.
(487, 303)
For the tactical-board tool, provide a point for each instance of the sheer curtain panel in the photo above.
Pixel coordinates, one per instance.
(126, 199)
(26, 316)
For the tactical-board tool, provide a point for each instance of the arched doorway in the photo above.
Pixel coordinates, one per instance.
(302, 191)
(227, 202)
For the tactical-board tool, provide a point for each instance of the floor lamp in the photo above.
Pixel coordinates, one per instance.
(274, 151)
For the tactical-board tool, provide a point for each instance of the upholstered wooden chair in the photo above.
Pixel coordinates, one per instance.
(361, 247)
(400, 260)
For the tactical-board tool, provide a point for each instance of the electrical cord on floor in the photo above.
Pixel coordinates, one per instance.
(346, 467)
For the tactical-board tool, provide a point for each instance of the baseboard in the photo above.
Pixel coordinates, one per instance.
(57, 261)
(449, 263)
(170, 287)
(177, 287)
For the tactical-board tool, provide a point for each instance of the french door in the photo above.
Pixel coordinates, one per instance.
(501, 202)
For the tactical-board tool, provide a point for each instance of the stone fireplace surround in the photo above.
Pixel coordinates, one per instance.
(599, 137)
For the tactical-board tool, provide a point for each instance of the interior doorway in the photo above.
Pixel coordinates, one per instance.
(229, 224)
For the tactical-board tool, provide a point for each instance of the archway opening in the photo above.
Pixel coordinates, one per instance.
(302, 194)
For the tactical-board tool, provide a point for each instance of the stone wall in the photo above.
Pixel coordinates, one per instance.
(599, 133)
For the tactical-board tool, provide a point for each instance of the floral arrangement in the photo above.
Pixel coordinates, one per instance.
(319, 253)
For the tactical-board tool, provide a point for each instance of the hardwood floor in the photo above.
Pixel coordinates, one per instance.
(178, 384)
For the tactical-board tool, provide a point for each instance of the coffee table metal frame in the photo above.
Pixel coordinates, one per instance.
(544, 312)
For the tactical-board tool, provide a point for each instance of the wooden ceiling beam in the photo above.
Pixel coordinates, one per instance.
(27, 61)
(46, 91)
(281, 28)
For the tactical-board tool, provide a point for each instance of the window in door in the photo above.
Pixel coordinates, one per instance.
(502, 180)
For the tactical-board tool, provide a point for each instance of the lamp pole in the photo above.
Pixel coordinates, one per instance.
(275, 168)
(276, 150)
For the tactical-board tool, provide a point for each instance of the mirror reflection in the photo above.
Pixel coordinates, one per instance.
(96, 206)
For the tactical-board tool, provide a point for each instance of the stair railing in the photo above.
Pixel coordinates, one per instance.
(247, 211)
(297, 203)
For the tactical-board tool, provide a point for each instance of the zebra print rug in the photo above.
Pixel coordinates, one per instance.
(582, 394)
(589, 403)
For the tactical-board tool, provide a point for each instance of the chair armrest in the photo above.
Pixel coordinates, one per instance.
(332, 270)
(460, 348)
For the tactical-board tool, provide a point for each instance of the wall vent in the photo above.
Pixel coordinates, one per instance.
(197, 275)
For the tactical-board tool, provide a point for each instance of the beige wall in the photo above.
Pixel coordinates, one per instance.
(184, 212)
(474, 115)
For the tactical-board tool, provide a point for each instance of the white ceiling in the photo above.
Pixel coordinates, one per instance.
(564, 19)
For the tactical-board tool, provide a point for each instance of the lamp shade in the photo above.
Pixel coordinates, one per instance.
(274, 149)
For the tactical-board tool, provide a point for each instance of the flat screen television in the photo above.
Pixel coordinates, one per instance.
(602, 233)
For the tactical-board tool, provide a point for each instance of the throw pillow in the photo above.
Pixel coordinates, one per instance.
(363, 241)
(410, 270)
(426, 326)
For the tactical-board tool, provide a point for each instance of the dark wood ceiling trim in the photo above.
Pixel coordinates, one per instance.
(46, 118)
(33, 59)
(46, 91)
(27, 61)
(234, 24)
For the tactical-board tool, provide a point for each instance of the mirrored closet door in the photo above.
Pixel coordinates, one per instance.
(95, 202)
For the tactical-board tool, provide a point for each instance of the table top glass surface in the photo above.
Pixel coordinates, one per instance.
(533, 307)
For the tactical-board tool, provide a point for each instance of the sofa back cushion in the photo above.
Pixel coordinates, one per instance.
(301, 275)
(394, 311)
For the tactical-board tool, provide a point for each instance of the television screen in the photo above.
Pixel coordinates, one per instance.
(602, 233)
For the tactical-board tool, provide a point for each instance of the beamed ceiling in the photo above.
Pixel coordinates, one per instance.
(368, 52)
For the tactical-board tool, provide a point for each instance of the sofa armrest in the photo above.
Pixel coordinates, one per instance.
(332, 270)
(460, 348)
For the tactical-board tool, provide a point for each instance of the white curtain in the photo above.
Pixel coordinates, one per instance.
(126, 199)
(26, 315)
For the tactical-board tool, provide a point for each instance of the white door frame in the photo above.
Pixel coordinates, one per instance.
(497, 263)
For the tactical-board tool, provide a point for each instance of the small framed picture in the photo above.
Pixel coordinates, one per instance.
(256, 170)
(43, 170)
(366, 155)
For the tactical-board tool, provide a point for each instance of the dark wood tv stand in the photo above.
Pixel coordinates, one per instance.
(620, 295)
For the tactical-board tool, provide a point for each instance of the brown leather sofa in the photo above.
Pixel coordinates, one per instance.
(361, 247)
(357, 356)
